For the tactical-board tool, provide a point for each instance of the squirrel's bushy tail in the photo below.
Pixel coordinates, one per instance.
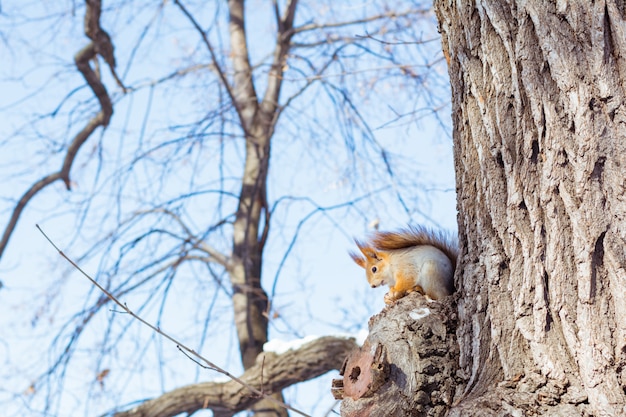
(417, 236)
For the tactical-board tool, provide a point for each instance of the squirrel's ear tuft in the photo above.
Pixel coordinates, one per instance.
(367, 250)
(359, 260)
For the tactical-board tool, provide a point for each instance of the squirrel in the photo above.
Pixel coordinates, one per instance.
(409, 260)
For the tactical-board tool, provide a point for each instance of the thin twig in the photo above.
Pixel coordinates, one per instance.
(178, 344)
(386, 15)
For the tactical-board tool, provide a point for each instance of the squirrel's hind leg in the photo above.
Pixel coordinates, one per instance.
(416, 288)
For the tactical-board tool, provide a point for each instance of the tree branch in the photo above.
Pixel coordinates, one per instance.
(220, 73)
(275, 373)
(269, 104)
(386, 15)
(101, 43)
(244, 93)
(214, 255)
(100, 38)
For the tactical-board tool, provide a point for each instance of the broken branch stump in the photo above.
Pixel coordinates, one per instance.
(407, 365)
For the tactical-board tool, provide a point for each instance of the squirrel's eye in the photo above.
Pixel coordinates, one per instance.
(374, 269)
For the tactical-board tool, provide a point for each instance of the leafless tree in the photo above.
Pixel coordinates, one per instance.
(188, 194)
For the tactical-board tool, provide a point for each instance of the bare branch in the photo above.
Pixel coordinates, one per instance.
(271, 374)
(316, 209)
(82, 58)
(244, 93)
(214, 255)
(100, 38)
(19, 207)
(275, 76)
(387, 15)
(216, 66)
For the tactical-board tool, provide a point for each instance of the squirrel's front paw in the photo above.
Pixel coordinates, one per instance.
(392, 296)
(388, 299)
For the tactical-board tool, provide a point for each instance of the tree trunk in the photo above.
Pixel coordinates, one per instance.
(251, 226)
(540, 149)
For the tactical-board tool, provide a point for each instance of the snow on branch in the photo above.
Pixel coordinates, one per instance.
(271, 374)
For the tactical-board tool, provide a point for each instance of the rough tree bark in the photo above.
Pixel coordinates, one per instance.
(408, 364)
(540, 149)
